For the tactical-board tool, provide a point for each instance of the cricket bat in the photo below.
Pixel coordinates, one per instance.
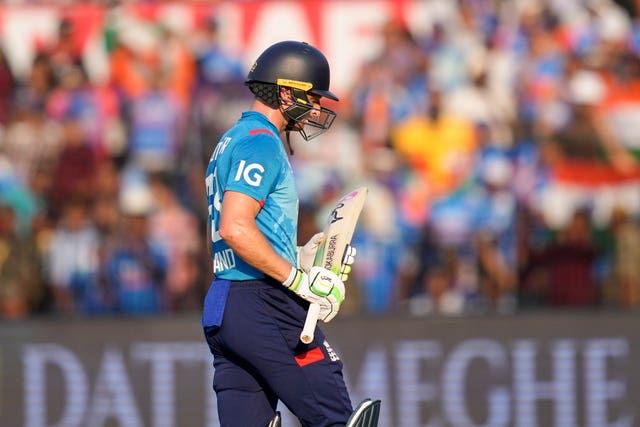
(338, 232)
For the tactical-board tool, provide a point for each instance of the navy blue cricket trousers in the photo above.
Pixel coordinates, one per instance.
(259, 359)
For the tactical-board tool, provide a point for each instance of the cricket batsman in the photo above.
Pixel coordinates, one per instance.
(263, 283)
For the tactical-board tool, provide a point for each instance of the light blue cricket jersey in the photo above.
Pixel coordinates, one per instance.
(250, 158)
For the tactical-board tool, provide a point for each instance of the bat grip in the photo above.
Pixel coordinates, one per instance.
(306, 336)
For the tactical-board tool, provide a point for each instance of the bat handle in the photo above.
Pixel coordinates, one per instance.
(306, 336)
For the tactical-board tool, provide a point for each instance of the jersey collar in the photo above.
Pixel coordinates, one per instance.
(254, 115)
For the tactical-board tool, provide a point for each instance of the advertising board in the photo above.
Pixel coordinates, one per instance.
(556, 370)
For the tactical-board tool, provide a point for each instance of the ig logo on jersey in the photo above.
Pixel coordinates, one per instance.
(250, 173)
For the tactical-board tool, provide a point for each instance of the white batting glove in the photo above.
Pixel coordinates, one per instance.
(306, 256)
(307, 253)
(320, 286)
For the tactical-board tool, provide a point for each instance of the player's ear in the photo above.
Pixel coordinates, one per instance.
(285, 96)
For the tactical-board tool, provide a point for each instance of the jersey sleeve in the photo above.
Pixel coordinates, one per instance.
(255, 167)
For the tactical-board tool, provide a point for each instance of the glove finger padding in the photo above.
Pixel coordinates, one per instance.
(328, 286)
(348, 259)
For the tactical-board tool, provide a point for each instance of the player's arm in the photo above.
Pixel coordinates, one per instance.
(239, 230)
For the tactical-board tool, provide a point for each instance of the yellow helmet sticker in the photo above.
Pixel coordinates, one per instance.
(305, 86)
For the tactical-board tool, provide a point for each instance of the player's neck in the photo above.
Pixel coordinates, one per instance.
(272, 114)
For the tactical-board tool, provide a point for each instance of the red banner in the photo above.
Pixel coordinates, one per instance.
(348, 32)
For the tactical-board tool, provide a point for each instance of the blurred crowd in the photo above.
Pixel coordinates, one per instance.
(499, 145)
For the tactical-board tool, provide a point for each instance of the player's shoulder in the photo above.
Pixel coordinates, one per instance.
(251, 136)
(241, 136)
(256, 127)
(259, 139)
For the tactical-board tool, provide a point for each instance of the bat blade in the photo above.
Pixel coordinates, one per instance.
(338, 231)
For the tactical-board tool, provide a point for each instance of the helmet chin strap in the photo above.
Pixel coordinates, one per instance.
(290, 125)
(288, 137)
